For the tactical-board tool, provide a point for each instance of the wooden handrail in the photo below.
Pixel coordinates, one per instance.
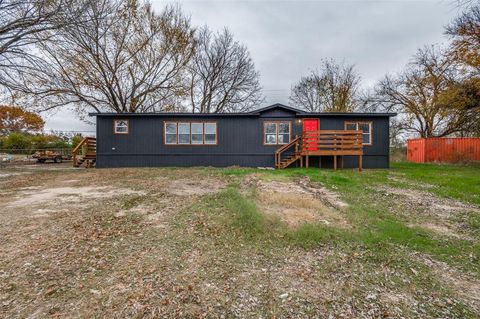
(278, 152)
(331, 140)
(86, 141)
(324, 143)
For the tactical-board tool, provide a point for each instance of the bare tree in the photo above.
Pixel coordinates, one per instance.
(332, 89)
(421, 95)
(466, 3)
(21, 21)
(123, 58)
(222, 75)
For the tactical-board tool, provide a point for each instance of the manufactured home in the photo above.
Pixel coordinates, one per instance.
(275, 136)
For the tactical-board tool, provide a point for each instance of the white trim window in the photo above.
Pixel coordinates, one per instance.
(120, 126)
(190, 133)
(171, 133)
(365, 127)
(197, 133)
(183, 133)
(210, 133)
(276, 132)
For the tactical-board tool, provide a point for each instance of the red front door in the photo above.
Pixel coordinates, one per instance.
(311, 140)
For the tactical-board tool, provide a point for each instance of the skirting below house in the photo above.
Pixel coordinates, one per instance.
(225, 160)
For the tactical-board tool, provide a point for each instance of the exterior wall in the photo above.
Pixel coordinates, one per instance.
(443, 150)
(374, 156)
(240, 142)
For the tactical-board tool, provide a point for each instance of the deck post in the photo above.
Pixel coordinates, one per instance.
(306, 161)
(360, 163)
(335, 162)
(301, 161)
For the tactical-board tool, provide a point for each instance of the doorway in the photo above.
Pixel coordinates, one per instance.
(311, 139)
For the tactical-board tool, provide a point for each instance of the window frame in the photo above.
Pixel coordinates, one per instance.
(203, 134)
(165, 133)
(276, 122)
(115, 127)
(216, 133)
(370, 125)
(189, 133)
(190, 126)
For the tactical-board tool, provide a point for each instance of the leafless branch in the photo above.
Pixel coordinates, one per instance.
(222, 75)
(332, 89)
(25, 22)
(424, 96)
(124, 58)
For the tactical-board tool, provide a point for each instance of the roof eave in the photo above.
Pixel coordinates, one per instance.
(347, 114)
(174, 114)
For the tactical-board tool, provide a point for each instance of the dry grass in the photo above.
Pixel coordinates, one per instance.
(183, 243)
(295, 205)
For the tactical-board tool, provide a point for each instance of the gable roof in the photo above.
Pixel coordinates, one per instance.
(277, 106)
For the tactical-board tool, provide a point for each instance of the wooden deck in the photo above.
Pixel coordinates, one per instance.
(320, 143)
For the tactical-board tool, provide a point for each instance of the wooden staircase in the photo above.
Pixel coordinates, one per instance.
(284, 163)
(85, 153)
(290, 157)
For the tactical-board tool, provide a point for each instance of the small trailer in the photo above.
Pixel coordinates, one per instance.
(43, 156)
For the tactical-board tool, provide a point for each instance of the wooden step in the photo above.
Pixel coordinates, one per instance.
(85, 153)
(288, 161)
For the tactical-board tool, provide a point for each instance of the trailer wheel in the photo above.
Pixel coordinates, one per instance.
(57, 159)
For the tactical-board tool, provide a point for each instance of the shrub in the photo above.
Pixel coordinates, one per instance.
(26, 143)
(48, 142)
(16, 142)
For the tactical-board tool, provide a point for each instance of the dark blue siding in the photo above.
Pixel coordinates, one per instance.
(240, 142)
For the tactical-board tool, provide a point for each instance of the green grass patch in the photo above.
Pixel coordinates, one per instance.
(474, 221)
(457, 252)
(245, 216)
(452, 181)
(374, 225)
(311, 235)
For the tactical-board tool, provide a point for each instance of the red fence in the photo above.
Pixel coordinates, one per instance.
(451, 150)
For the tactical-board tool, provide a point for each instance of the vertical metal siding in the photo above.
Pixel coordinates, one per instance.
(443, 150)
(240, 142)
(416, 150)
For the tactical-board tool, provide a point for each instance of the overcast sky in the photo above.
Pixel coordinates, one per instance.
(287, 39)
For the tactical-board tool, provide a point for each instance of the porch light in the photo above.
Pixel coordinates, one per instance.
(299, 121)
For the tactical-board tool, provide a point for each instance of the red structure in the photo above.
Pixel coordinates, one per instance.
(311, 125)
(436, 149)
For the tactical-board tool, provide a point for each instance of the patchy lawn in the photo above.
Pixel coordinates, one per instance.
(236, 242)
